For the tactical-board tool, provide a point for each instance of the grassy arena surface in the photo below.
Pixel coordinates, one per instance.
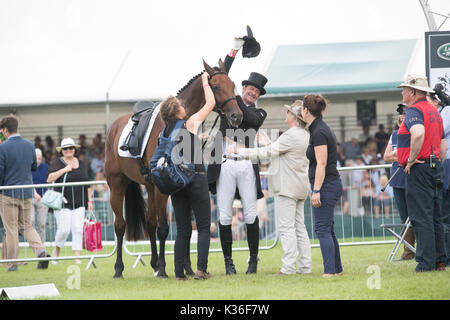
(397, 280)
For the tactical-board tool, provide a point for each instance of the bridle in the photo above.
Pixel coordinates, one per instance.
(219, 109)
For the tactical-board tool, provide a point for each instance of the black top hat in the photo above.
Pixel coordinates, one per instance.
(401, 108)
(251, 47)
(257, 80)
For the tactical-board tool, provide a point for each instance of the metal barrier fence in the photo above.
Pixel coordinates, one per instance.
(102, 213)
(358, 216)
(363, 207)
(268, 233)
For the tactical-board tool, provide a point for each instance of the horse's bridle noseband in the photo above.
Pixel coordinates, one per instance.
(219, 109)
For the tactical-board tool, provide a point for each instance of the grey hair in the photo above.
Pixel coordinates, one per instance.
(38, 152)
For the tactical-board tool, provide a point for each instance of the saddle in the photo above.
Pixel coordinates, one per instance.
(142, 114)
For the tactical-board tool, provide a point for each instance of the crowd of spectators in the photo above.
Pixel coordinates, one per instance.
(362, 188)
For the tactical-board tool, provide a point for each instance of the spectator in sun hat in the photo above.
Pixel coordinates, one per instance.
(70, 218)
(421, 144)
(288, 182)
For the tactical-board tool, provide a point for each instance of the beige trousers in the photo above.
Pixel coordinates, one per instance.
(16, 218)
(293, 235)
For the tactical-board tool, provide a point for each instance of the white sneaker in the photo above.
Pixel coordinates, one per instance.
(54, 255)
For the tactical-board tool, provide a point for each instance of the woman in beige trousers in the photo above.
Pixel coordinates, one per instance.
(288, 182)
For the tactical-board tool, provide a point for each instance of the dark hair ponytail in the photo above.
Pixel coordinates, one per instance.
(315, 103)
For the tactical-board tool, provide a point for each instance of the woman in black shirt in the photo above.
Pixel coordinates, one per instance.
(195, 196)
(325, 181)
(71, 217)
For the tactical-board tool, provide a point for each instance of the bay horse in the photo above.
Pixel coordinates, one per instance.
(124, 177)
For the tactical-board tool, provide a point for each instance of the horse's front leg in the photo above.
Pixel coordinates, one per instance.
(151, 229)
(152, 224)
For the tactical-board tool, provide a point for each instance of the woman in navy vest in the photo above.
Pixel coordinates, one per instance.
(194, 196)
(398, 182)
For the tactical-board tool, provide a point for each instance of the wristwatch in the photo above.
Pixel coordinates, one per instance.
(316, 191)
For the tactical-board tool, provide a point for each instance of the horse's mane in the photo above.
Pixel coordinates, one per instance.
(192, 80)
(189, 83)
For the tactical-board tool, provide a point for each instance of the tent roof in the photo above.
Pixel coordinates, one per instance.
(339, 67)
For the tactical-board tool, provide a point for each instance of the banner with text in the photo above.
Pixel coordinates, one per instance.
(437, 55)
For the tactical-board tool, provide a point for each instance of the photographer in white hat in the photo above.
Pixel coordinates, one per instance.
(71, 217)
(420, 146)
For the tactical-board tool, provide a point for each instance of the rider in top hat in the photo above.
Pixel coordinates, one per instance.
(236, 176)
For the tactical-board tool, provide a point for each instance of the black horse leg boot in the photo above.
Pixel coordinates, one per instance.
(253, 245)
(226, 240)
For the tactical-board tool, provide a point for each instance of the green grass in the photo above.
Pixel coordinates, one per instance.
(397, 280)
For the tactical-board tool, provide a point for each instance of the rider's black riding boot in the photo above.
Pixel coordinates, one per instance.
(253, 245)
(226, 241)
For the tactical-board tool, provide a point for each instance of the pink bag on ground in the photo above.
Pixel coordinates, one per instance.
(92, 234)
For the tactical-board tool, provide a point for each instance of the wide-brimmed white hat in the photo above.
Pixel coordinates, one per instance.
(66, 143)
(296, 109)
(416, 81)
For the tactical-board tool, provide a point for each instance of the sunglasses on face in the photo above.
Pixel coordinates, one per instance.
(68, 148)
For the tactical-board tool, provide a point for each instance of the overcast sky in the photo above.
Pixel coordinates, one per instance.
(62, 50)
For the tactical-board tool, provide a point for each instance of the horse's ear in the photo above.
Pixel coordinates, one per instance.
(221, 65)
(208, 68)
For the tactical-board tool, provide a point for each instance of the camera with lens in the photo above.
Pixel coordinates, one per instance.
(440, 93)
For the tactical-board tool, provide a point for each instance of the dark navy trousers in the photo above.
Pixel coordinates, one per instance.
(400, 200)
(424, 199)
(324, 225)
(194, 197)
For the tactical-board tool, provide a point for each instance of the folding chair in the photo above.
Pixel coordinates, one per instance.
(399, 236)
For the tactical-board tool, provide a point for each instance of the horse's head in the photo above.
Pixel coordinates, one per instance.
(223, 89)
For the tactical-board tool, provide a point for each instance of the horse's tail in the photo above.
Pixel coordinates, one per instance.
(135, 209)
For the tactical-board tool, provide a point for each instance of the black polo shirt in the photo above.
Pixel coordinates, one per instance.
(321, 134)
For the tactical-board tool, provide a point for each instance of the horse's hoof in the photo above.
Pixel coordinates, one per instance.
(118, 276)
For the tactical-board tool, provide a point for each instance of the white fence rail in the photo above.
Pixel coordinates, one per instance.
(101, 214)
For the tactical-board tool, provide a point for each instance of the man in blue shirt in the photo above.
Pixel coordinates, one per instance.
(17, 160)
(40, 211)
